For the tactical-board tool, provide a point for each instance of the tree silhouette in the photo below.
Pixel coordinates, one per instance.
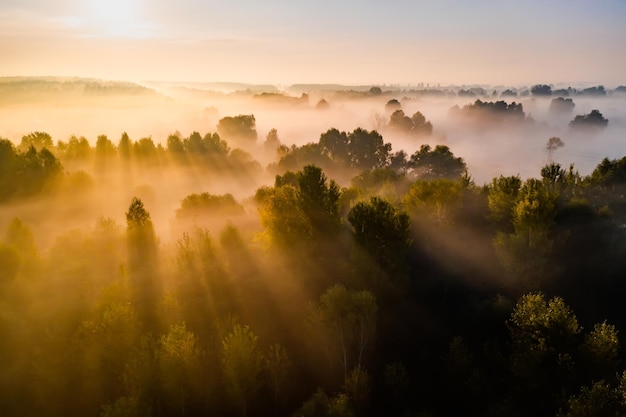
(242, 363)
(142, 262)
(553, 144)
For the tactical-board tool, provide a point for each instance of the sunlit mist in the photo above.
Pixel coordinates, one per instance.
(312, 209)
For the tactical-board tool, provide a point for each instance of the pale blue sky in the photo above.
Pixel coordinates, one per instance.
(344, 41)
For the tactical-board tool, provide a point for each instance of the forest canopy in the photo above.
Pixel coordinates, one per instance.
(215, 274)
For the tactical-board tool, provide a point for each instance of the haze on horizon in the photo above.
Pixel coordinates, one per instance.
(351, 42)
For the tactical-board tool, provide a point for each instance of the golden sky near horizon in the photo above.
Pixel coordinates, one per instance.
(283, 42)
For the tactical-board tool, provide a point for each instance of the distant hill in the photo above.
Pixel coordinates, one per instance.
(215, 87)
(37, 88)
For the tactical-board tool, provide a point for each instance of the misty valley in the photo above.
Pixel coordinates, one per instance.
(193, 249)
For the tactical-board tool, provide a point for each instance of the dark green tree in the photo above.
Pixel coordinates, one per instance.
(319, 199)
(336, 145)
(180, 362)
(242, 362)
(428, 163)
(239, 129)
(383, 231)
(350, 317)
(8, 167)
(367, 150)
(142, 262)
(39, 140)
(593, 120)
(502, 197)
(541, 90)
(438, 200)
(125, 146)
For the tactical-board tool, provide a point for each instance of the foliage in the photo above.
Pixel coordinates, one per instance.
(242, 364)
(428, 163)
(541, 90)
(383, 231)
(416, 125)
(502, 197)
(598, 400)
(302, 207)
(126, 407)
(489, 114)
(436, 199)
(208, 204)
(238, 129)
(367, 150)
(593, 120)
(562, 105)
(544, 335)
(351, 317)
(278, 366)
(179, 361)
(38, 140)
(90, 325)
(28, 172)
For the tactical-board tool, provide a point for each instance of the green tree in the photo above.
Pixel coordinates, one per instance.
(358, 386)
(142, 259)
(36, 171)
(400, 122)
(239, 129)
(179, 360)
(272, 142)
(320, 405)
(145, 149)
(214, 145)
(553, 144)
(126, 407)
(564, 185)
(417, 125)
(22, 249)
(278, 366)
(502, 197)
(105, 151)
(8, 167)
(104, 147)
(535, 209)
(283, 218)
(383, 231)
(201, 288)
(544, 335)
(428, 163)
(351, 318)
(599, 400)
(526, 253)
(38, 140)
(319, 199)
(600, 350)
(593, 120)
(78, 149)
(175, 144)
(336, 145)
(541, 90)
(437, 199)
(367, 150)
(242, 363)
(104, 340)
(125, 147)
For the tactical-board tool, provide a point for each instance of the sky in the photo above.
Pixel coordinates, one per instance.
(493, 42)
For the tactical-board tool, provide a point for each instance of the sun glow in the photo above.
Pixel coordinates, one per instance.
(115, 18)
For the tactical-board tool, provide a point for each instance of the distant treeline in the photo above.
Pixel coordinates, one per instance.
(33, 87)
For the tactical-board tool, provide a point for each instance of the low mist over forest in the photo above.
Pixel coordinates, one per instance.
(192, 249)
